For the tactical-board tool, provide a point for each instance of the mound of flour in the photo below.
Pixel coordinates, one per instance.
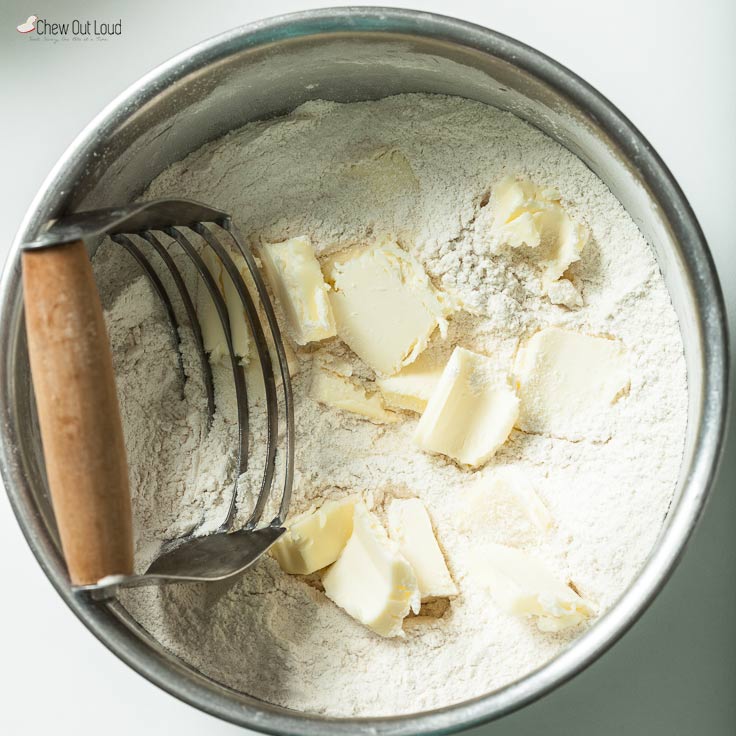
(418, 168)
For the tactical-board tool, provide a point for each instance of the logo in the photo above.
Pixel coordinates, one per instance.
(77, 29)
(28, 26)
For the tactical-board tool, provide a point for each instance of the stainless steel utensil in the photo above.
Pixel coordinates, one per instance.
(77, 404)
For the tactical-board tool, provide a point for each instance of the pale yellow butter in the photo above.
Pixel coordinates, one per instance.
(410, 526)
(371, 580)
(522, 585)
(412, 386)
(567, 383)
(254, 370)
(239, 327)
(564, 292)
(385, 306)
(296, 278)
(347, 394)
(505, 507)
(525, 214)
(315, 538)
(512, 483)
(213, 334)
(470, 413)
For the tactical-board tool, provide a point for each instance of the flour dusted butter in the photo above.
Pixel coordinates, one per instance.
(410, 526)
(254, 372)
(526, 214)
(296, 278)
(567, 382)
(239, 327)
(371, 580)
(344, 393)
(315, 538)
(412, 386)
(505, 506)
(213, 334)
(470, 412)
(385, 306)
(522, 585)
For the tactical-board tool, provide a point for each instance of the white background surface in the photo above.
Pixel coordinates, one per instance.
(671, 67)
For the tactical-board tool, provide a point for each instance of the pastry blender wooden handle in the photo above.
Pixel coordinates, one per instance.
(81, 429)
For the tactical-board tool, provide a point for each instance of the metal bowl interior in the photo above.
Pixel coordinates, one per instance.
(267, 69)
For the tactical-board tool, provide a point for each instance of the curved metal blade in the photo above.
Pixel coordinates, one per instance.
(155, 215)
(214, 557)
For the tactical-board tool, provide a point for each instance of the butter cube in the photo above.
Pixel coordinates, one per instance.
(506, 507)
(522, 585)
(567, 382)
(385, 306)
(315, 538)
(213, 334)
(409, 525)
(564, 292)
(412, 386)
(239, 327)
(371, 580)
(254, 372)
(514, 484)
(470, 413)
(513, 216)
(348, 395)
(295, 276)
(525, 214)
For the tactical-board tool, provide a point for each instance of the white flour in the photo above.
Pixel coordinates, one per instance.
(419, 168)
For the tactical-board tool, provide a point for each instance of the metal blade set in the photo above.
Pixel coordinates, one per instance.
(166, 225)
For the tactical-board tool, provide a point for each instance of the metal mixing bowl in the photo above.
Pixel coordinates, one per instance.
(266, 69)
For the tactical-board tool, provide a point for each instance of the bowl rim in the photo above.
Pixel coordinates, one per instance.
(168, 672)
